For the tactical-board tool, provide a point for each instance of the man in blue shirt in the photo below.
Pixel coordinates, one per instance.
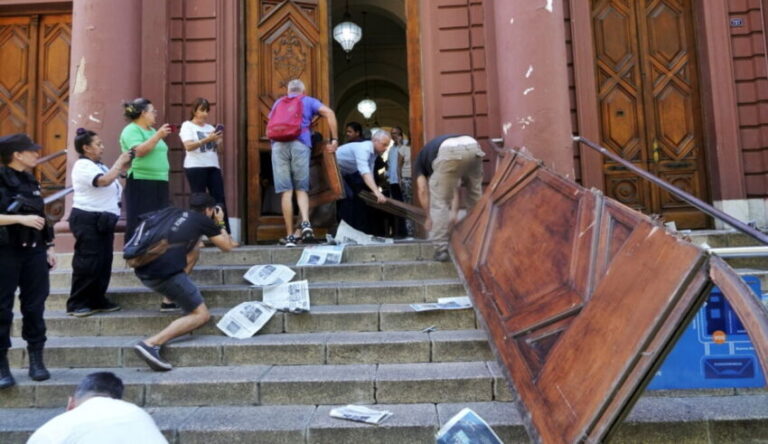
(356, 162)
(290, 162)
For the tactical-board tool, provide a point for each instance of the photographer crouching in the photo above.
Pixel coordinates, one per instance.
(26, 253)
(95, 210)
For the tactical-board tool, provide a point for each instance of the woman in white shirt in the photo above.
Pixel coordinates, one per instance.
(201, 162)
(95, 210)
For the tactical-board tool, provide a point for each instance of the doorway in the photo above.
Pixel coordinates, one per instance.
(649, 105)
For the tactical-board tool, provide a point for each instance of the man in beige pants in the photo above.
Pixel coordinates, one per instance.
(444, 163)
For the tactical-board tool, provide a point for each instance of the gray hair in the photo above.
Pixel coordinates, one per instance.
(381, 134)
(296, 86)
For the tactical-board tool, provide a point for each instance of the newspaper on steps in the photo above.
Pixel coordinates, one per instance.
(291, 296)
(321, 255)
(455, 303)
(348, 235)
(263, 275)
(245, 319)
(466, 427)
(360, 414)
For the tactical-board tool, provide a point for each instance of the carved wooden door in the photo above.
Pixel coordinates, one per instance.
(649, 105)
(34, 86)
(287, 39)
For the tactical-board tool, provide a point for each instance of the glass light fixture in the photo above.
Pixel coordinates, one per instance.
(366, 107)
(347, 33)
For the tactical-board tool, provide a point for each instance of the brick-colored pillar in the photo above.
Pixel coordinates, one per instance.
(532, 68)
(106, 69)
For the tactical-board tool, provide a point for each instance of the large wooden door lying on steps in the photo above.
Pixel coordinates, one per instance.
(649, 103)
(582, 297)
(34, 86)
(285, 40)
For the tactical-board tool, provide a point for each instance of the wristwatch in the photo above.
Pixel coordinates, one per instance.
(332, 139)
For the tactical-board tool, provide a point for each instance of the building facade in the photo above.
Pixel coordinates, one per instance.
(677, 87)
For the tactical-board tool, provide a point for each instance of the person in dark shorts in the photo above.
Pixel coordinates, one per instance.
(169, 273)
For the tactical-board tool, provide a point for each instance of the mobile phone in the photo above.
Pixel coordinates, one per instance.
(219, 128)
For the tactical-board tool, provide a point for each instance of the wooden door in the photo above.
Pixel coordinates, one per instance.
(286, 39)
(649, 105)
(34, 86)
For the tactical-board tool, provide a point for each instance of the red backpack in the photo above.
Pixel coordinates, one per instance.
(285, 120)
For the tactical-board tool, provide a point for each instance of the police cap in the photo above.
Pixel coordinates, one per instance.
(17, 142)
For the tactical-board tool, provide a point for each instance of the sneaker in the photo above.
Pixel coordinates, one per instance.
(306, 230)
(107, 307)
(169, 307)
(82, 312)
(442, 255)
(151, 355)
(290, 241)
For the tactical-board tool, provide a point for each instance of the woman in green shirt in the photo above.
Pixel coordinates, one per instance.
(146, 188)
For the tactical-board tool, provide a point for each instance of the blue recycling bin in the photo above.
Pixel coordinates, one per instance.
(714, 351)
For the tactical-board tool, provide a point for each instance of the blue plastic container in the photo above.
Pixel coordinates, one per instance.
(714, 351)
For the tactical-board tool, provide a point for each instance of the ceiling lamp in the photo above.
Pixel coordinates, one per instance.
(366, 106)
(347, 33)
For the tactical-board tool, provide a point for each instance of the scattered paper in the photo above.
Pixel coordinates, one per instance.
(245, 319)
(264, 275)
(360, 414)
(321, 255)
(467, 427)
(457, 303)
(348, 235)
(291, 296)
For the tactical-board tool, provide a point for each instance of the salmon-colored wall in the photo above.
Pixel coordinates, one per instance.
(749, 64)
(572, 88)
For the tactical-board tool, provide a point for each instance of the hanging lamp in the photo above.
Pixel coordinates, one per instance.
(366, 106)
(347, 33)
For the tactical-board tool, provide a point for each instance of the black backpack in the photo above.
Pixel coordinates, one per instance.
(150, 240)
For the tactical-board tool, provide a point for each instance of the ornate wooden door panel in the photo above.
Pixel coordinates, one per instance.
(581, 296)
(287, 39)
(34, 86)
(649, 104)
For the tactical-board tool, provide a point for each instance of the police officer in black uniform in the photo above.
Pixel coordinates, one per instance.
(26, 253)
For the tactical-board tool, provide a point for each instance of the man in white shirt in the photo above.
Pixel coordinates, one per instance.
(96, 414)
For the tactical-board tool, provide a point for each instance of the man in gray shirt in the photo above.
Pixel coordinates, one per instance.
(355, 162)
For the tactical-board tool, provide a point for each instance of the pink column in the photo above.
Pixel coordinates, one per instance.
(531, 64)
(106, 69)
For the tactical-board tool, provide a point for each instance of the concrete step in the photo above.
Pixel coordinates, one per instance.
(654, 420)
(320, 293)
(321, 318)
(233, 274)
(259, 254)
(272, 385)
(268, 349)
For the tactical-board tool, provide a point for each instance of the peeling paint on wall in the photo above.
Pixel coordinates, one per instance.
(528, 91)
(549, 6)
(506, 127)
(81, 82)
(512, 21)
(529, 72)
(525, 121)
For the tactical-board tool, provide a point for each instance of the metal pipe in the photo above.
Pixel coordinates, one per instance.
(57, 195)
(694, 201)
(50, 157)
(740, 251)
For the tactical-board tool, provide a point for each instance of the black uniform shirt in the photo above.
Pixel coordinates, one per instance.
(428, 153)
(21, 183)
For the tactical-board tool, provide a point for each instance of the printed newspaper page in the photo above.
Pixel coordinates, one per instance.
(321, 255)
(263, 275)
(467, 427)
(360, 414)
(291, 296)
(348, 235)
(245, 319)
(456, 303)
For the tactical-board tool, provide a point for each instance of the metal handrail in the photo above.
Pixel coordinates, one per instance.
(687, 197)
(50, 157)
(57, 195)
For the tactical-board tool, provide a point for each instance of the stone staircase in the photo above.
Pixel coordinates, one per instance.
(361, 343)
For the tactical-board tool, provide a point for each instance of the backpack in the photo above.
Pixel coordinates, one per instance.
(285, 120)
(150, 240)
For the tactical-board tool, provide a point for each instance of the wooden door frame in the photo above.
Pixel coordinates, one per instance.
(721, 145)
(415, 93)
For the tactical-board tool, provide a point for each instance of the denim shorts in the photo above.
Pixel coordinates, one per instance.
(290, 166)
(178, 288)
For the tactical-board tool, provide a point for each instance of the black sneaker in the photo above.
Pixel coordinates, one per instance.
(82, 312)
(169, 307)
(306, 230)
(151, 355)
(107, 307)
(442, 255)
(290, 241)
